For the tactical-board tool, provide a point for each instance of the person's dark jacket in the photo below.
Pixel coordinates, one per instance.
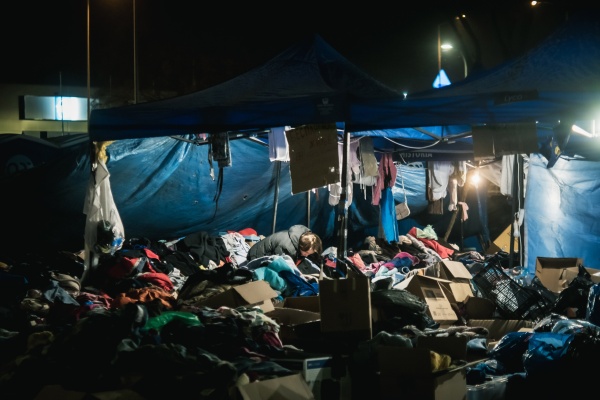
(278, 243)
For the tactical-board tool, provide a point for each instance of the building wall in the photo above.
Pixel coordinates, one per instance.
(9, 111)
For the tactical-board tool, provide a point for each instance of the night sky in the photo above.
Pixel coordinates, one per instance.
(184, 46)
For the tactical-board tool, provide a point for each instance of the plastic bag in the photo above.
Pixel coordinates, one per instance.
(592, 313)
(104, 231)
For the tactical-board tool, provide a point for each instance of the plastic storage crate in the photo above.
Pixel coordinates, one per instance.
(513, 301)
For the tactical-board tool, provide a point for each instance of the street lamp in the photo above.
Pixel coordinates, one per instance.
(442, 79)
(447, 47)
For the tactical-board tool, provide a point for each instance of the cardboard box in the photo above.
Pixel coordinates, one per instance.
(291, 387)
(256, 293)
(408, 372)
(454, 271)
(429, 289)
(295, 324)
(552, 272)
(479, 308)
(460, 280)
(318, 372)
(346, 308)
(497, 328)
(307, 303)
(571, 274)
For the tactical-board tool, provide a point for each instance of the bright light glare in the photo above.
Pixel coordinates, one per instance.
(475, 178)
(446, 46)
(581, 131)
(70, 108)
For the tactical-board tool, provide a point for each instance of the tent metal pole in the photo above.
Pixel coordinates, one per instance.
(276, 199)
(521, 186)
(515, 188)
(343, 214)
(308, 209)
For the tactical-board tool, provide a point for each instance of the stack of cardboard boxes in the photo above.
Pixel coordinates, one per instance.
(344, 310)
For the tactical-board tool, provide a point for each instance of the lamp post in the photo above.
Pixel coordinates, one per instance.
(88, 61)
(135, 75)
(448, 46)
(135, 83)
(442, 79)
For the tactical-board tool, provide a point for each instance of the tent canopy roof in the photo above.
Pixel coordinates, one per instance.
(307, 83)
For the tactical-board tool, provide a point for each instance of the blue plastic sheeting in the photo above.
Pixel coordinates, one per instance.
(163, 189)
(562, 205)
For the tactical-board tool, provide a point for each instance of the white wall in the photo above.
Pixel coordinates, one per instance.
(9, 111)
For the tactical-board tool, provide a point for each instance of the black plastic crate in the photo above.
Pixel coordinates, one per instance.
(513, 301)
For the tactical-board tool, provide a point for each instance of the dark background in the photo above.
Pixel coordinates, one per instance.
(184, 46)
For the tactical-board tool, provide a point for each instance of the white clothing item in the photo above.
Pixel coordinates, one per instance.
(278, 144)
(439, 173)
(335, 189)
(506, 182)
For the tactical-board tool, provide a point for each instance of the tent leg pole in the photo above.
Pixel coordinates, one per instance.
(343, 215)
(515, 188)
(276, 199)
(308, 209)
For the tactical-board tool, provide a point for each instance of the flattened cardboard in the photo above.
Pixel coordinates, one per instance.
(314, 159)
(430, 290)
(256, 293)
(502, 242)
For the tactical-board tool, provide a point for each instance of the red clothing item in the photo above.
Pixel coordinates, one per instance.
(443, 251)
(157, 279)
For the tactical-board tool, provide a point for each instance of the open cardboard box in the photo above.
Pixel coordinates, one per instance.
(291, 387)
(307, 303)
(409, 372)
(459, 277)
(557, 273)
(255, 293)
(295, 325)
(429, 289)
(497, 328)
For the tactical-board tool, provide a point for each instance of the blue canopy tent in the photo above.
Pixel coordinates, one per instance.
(311, 83)
(552, 86)
(555, 86)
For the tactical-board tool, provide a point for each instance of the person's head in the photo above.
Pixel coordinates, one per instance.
(309, 244)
